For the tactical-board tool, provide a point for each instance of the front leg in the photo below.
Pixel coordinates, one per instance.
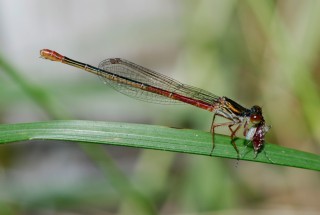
(246, 128)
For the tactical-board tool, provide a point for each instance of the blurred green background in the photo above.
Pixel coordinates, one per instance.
(255, 52)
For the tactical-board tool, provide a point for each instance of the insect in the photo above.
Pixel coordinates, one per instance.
(144, 84)
(256, 135)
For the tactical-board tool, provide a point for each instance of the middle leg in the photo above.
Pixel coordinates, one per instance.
(233, 135)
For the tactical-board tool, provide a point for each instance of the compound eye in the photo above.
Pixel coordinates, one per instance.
(255, 118)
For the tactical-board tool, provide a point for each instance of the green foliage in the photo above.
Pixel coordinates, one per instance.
(152, 137)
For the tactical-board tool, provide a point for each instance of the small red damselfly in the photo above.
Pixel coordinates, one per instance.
(144, 84)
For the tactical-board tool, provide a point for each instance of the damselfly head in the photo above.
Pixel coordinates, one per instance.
(256, 115)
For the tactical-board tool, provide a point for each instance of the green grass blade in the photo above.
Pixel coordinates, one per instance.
(152, 137)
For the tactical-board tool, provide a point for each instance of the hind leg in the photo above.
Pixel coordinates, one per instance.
(213, 126)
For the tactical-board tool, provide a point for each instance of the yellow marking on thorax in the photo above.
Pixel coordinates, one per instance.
(232, 108)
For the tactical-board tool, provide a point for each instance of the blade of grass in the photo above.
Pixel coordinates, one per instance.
(152, 137)
(43, 99)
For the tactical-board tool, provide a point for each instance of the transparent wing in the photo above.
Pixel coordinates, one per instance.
(135, 76)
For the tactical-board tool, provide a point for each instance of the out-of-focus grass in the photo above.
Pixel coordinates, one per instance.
(103, 161)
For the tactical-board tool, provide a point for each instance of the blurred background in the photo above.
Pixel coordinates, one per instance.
(255, 52)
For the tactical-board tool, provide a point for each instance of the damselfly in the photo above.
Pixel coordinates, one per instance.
(145, 84)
